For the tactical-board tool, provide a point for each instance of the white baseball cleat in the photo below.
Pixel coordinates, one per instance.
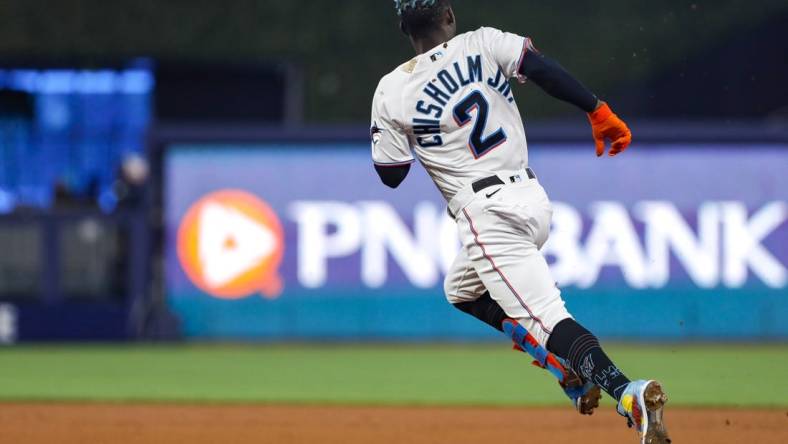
(642, 404)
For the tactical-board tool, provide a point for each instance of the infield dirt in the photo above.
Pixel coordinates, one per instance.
(192, 424)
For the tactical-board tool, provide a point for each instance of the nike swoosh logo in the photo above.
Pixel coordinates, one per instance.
(493, 193)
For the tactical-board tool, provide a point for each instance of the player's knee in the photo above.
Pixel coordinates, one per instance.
(454, 294)
(449, 291)
(454, 298)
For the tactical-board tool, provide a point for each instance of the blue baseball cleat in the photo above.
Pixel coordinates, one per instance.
(642, 403)
(585, 396)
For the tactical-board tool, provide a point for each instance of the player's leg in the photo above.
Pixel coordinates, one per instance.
(484, 309)
(463, 287)
(582, 351)
(503, 237)
(465, 291)
(641, 402)
(501, 303)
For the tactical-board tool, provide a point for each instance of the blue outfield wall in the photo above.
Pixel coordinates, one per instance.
(301, 241)
(420, 315)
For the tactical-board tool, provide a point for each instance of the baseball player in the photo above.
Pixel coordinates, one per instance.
(452, 107)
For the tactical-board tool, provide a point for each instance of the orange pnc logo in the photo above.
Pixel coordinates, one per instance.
(230, 244)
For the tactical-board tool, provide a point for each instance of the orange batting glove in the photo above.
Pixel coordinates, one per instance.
(606, 125)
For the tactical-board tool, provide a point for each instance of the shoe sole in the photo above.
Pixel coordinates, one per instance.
(590, 401)
(655, 398)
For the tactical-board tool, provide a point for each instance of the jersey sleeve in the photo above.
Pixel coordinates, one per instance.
(507, 50)
(390, 145)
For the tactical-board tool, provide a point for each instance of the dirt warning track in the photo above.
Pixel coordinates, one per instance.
(197, 424)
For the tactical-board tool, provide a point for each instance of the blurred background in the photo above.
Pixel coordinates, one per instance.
(114, 122)
(200, 171)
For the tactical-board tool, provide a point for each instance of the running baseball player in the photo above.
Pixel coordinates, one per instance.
(452, 107)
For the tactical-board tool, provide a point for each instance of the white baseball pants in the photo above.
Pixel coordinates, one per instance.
(501, 237)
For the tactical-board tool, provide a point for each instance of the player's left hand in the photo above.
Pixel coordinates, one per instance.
(607, 125)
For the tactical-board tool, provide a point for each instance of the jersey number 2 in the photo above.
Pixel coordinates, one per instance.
(478, 144)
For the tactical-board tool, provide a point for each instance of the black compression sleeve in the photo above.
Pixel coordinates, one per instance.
(392, 176)
(484, 309)
(556, 81)
(581, 349)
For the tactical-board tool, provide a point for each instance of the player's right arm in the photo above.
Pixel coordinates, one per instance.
(529, 63)
(557, 82)
(391, 151)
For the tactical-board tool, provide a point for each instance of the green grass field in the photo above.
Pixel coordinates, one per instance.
(740, 375)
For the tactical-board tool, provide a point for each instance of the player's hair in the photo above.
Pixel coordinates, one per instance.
(420, 17)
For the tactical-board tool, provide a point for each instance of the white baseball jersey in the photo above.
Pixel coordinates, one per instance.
(453, 108)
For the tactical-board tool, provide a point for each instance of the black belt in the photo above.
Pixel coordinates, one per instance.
(492, 181)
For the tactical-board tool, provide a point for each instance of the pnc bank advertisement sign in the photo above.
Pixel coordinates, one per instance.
(303, 242)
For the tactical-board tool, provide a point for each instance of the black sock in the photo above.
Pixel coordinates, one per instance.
(485, 309)
(581, 348)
